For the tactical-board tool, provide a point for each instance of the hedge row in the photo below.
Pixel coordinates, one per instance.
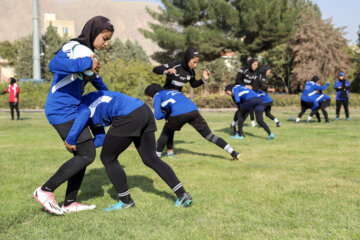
(33, 96)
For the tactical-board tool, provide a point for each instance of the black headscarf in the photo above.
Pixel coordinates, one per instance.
(190, 53)
(264, 69)
(12, 81)
(92, 28)
(249, 63)
(315, 78)
(152, 89)
(230, 87)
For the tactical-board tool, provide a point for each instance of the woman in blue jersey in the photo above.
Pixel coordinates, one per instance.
(131, 122)
(61, 108)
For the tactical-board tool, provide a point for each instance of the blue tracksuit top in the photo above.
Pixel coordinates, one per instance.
(242, 93)
(265, 97)
(67, 86)
(338, 83)
(97, 109)
(310, 90)
(173, 102)
(320, 97)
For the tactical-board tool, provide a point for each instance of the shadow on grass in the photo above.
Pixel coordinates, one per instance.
(182, 150)
(95, 179)
(246, 134)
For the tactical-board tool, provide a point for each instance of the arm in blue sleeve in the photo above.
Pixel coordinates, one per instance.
(157, 108)
(99, 135)
(236, 96)
(98, 83)
(337, 84)
(80, 122)
(63, 65)
(322, 88)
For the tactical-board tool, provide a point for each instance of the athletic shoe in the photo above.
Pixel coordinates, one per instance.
(184, 201)
(235, 155)
(337, 119)
(77, 207)
(120, 205)
(271, 136)
(48, 201)
(236, 136)
(171, 155)
(233, 129)
(348, 119)
(278, 124)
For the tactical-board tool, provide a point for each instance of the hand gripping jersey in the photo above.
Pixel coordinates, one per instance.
(68, 85)
(97, 109)
(173, 102)
(13, 90)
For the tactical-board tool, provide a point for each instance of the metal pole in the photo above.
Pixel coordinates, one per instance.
(36, 42)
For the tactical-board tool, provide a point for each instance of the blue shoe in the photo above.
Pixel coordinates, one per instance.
(337, 119)
(271, 136)
(171, 155)
(348, 119)
(184, 201)
(236, 136)
(120, 205)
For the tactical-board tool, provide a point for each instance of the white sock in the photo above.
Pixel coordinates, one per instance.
(253, 123)
(297, 119)
(276, 120)
(158, 154)
(309, 118)
(233, 123)
(228, 148)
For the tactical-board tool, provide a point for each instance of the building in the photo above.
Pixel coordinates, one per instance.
(6, 72)
(63, 27)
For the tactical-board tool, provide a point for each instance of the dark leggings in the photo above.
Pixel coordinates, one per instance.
(345, 103)
(268, 112)
(323, 107)
(236, 115)
(259, 118)
(14, 106)
(307, 105)
(73, 170)
(205, 133)
(170, 141)
(145, 145)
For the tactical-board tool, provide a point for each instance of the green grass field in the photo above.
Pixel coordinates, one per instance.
(303, 185)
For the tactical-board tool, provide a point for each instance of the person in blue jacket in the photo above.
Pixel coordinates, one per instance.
(61, 108)
(178, 110)
(131, 121)
(308, 99)
(247, 100)
(342, 87)
(268, 101)
(178, 74)
(324, 102)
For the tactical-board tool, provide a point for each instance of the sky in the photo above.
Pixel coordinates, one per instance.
(344, 13)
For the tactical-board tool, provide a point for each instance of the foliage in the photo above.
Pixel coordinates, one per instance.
(23, 57)
(317, 49)
(7, 51)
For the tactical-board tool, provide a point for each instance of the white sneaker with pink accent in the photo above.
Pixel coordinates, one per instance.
(48, 201)
(77, 207)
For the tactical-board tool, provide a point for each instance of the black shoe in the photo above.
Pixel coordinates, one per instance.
(278, 124)
(233, 129)
(235, 155)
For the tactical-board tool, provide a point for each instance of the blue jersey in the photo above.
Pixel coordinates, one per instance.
(338, 84)
(241, 94)
(173, 102)
(97, 109)
(310, 91)
(68, 85)
(265, 97)
(320, 97)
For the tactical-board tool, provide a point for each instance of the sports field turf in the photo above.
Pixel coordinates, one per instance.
(305, 184)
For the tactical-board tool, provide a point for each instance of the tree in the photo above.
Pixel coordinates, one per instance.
(355, 85)
(7, 51)
(23, 57)
(317, 49)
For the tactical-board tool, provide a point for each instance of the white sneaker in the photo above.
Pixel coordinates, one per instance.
(77, 207)
(48, 201)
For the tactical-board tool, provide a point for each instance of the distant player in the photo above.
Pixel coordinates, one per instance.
(14, 91)
(131, 121)
(179, 110)
(324, 102)
(308, 99)
(247, 100)
(342, 87)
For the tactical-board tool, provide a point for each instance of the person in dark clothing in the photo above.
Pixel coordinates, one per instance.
(13, 90)
(179, 110)
(247, 100)
(342, 87)
(178, 73)
(246, 77)
(324, 102)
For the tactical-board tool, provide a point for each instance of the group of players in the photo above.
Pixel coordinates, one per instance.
(73, 115)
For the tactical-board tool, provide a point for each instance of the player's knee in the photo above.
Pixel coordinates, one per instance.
(211, 137)
(89, 156)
